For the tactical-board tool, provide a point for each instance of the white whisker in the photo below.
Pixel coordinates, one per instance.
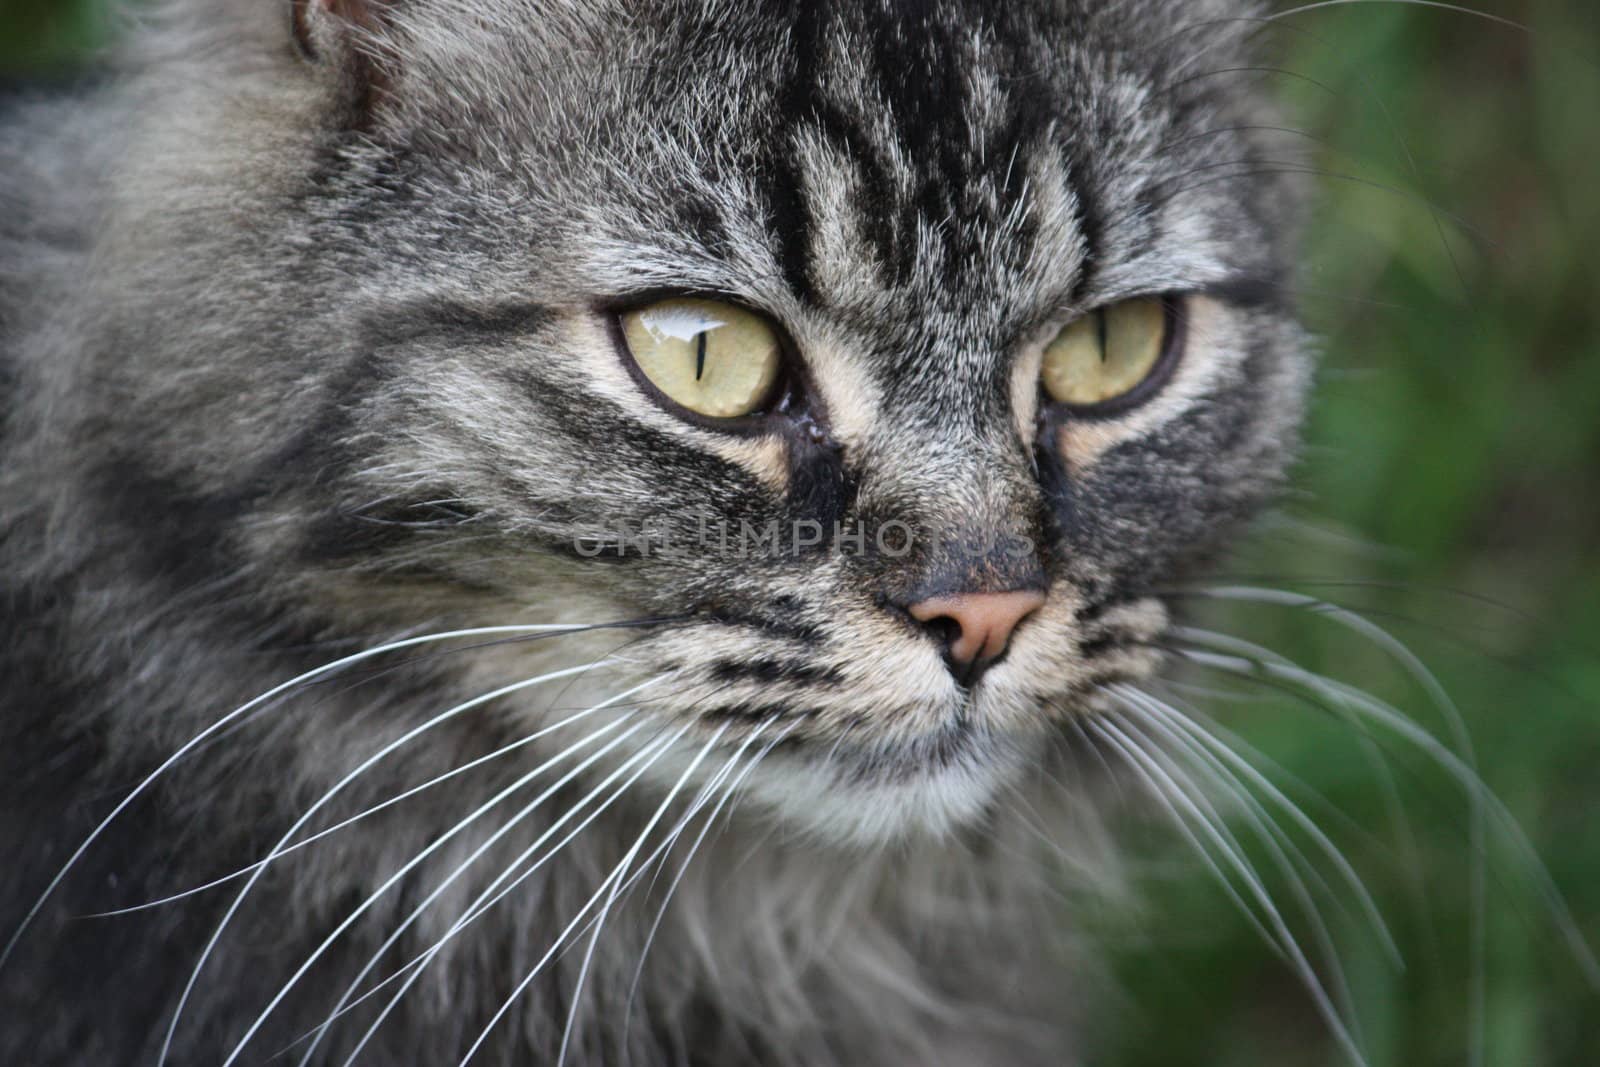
(1289, 859)
(1466, 777)
(1246, 912)
(223, 722)
(1162, 712)
(477, 853)
(1455, 9)
(1168, 791)
(1478, 890)
(1372, 632)
(326, 798)
(622, 868)
(694, 847)
(1255, 757)
(562, 936)
(488, 897)
(526, 810)
(1371, 750)
(505, 750)
(692, 808)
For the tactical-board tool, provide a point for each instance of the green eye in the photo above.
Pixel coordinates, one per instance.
(1106, 355)
(715, 359)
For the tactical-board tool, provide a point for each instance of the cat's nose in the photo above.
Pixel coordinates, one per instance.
(975, 627)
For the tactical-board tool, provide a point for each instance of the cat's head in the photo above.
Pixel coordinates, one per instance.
(895, 355)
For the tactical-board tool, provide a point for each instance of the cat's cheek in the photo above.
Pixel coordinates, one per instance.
(766, 458)
(1214, 348)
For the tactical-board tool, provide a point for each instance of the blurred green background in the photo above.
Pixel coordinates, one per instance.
(1451, 493)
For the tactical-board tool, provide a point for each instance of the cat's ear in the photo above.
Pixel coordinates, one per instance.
(337, 30)
(348, 36)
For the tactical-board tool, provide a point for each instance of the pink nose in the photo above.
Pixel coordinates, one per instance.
(979, 625)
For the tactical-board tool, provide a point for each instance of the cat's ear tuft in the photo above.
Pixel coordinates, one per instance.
(334, 29)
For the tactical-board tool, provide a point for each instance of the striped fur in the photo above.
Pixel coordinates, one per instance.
(303, 345)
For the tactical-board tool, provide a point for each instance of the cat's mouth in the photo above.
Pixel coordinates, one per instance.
(872, 793)
(869, 742)
(870, 788)
(876, 764)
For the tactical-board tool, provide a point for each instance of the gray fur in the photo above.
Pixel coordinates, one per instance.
(302, 352)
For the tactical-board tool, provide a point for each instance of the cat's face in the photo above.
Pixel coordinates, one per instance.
(915, 213)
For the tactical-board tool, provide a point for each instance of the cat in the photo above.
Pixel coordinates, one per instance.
(760, 433)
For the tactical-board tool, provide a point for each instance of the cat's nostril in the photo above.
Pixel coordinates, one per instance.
(975, 628)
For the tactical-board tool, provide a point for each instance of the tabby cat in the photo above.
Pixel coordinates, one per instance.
(583, 531)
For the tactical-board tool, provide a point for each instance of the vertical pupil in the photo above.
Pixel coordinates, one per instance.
(700, 356)
(1100, 330)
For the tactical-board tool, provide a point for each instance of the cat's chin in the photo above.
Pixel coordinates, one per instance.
(872, 797)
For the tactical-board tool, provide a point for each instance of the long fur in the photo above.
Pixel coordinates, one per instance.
(302, 350)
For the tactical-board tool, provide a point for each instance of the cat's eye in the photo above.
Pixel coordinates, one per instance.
(1108, 354)
(714, 359)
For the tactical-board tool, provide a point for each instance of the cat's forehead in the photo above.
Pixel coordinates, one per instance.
(941, 173)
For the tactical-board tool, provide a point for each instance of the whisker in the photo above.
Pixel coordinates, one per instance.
(326, 798)
(1456, 9)
(1193, 799)
(694, 847)
(353, 680)
(1273, 21)
(1376, 634)
(414, 967)
(476, 908)
(1163, 712)
(244, 709)
(1372, 750)
(1030, 818)
(1269, 169)
(1447, 760)
(1289, 859)
(1076, 722)
(527, 980)
(1466, 596)
(396, 799)
(617, 886)
(1259, 760)
(1167, 788)
(694, 807)
(1478, 889)
(1248, 913)
(1164, 149)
